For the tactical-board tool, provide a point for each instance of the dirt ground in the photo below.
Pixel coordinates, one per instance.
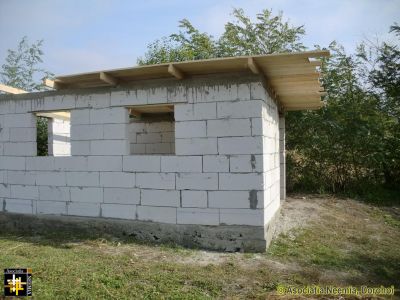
(324, 241)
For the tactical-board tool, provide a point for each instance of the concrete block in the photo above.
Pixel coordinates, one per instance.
(83, 209)
(115, 131)
(71, 163)
(121, 196)
(3, 176)
(177, 93)
(246, 163)
(240, 145)
(80, 116)
(257, 91)
(117, 179)
(54, 193)
(217, 93)
(157, 214)
(196, 146)
(19, 120)
(118, 211)
(168, 137)
(194, 198)
(20, 149)
(99, 100)
(197, 111)
(4, 190)
(252, 217)
(197, 181)
(160, 198)
(7, 107)
(200, 216)
(228, 127)
(4, 132)
(157, 95)
(51, 207)
(23, 106)
(59, 102)
(148, 137)
(87, 194)
(129, 97)
(190, 129)
(80, 147)
(12, 163)
(21, 177)
(109, 147)
(111, 115)
(159, 148)
(236, 199)
(181, 163)
(156, 180)
(83, 178)
(24, 192)
(215, 163)
(23, 134)
(142, 163)
(40, 163)
(257, 126)
(239, 109)
(105, 163)
(19, 206)
(237, 182)
(51, 178)
(86, 132)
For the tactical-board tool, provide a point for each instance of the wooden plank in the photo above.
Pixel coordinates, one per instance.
(156, 108)
(11, 90)
(252, 65)
(62, 115)
(174, 71)
(109, 79)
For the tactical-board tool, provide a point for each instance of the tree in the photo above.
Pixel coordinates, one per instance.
(21, 70)
(353, 143)
(269, 34)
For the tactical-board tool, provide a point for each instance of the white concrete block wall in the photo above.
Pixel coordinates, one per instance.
(100, 131)
(152, 137)
(59, 135)
(218, 163)
(282, 157)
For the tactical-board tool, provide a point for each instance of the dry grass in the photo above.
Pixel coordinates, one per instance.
(332, 241)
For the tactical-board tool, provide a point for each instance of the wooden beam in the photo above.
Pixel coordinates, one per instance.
(53, 84)
(107, 78)
(62, 115)
(253, 66)
(11, 90)
(174, 71)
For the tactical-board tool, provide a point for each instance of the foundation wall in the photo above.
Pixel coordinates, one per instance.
(225, 171)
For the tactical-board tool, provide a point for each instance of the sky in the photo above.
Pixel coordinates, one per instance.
(88, 35)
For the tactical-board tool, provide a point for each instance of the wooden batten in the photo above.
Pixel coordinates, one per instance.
(174, 71)
(107, 78)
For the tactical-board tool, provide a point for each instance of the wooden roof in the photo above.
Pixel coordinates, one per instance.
(291, 78)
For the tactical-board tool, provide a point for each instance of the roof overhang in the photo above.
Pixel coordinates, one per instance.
(292, 79)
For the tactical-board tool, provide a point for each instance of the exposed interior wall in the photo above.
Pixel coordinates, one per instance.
(152, 137)
(282, 156)
(59, 134)
(271, 165)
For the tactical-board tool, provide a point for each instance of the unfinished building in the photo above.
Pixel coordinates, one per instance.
(190, 152)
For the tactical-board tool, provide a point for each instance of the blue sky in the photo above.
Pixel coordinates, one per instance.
(86, 35)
